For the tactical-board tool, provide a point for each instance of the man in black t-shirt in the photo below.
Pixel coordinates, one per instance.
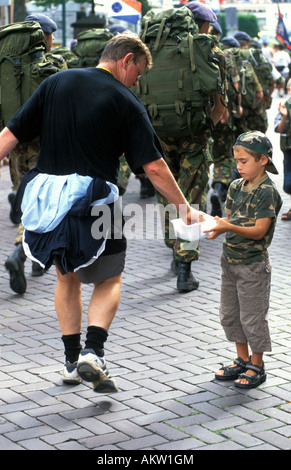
(86, 119)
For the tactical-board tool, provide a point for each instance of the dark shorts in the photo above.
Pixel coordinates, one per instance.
(101, 269)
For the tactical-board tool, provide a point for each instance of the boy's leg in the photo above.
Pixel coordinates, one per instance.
(230, 317)
(254, 295)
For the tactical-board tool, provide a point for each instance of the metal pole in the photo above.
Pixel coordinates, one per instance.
(64, 22)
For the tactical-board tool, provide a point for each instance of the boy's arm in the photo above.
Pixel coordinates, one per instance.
(256, 232)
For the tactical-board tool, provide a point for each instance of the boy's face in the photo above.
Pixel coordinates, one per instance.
(249, 169)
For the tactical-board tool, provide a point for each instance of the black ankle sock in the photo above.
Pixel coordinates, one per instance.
(73, 346)
(95, 339)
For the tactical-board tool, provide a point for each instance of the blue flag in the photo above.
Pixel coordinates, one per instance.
(281, 31)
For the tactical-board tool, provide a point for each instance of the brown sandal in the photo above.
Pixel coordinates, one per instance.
(286, 216)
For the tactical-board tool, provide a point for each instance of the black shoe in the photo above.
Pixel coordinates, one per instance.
(186, 282)
(15, 265)
(14, 217)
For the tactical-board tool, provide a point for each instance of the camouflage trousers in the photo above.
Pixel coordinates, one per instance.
(22, 159)
(222, 154)
(124, 174)
(189, 162)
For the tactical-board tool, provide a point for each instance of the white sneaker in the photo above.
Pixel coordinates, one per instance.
(70, 374)
(92, 368)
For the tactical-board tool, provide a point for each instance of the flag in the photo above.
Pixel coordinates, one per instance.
(126, 10)
(281, 31)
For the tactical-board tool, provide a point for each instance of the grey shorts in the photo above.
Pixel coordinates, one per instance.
(103, 268)
(244, 303)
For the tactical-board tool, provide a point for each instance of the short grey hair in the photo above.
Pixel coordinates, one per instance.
(124, 43)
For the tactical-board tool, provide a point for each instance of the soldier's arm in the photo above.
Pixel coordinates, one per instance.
(7, 142)
(218, 108)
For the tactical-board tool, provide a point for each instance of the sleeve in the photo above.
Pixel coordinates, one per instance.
(267, 203)
(142, 144)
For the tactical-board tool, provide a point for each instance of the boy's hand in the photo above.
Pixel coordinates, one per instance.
(221, 226)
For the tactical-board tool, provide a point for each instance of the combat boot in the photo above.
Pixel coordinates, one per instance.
(15, 265)
(186, 281)
(14, 216)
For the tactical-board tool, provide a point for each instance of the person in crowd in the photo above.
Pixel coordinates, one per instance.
(283, 126)
(189, 159)
(21, 159)
(85, 119)
(252, 206)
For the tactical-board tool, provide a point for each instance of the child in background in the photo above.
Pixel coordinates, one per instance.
(252, 205)
(283, 126)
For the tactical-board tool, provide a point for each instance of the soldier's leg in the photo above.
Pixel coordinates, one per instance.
(123, 175)
(172, 158)
(193, 178)
(22, 159)
(224, 164)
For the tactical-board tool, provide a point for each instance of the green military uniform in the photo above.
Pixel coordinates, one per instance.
(146, 187)
(223, 140)
(24, 155)
(189, 161)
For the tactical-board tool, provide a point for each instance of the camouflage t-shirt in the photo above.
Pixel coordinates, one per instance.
(246, 204)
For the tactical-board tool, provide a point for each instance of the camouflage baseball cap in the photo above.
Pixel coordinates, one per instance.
(259, 142)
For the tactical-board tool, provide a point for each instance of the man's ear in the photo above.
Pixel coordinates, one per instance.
(127, 59)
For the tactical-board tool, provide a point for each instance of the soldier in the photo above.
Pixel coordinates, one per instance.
(224, 132)
(23, 158)
(255, 116)
(189, 160)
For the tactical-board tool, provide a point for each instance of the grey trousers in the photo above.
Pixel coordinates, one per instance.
(244, 303)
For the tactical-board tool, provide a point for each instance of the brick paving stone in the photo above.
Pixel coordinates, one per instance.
(164, 348)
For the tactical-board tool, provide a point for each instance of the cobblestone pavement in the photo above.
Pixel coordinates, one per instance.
(164, 348)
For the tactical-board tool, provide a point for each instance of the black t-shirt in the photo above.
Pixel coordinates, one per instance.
(86, 120)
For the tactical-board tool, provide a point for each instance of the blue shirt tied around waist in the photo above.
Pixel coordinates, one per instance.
(57, 218)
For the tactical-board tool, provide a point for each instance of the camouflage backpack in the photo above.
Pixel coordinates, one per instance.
(247, 77)
(22, 65)
(89, 48)
(176, 91)
(262, 67)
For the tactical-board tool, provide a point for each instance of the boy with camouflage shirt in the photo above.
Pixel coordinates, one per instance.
(252, 206)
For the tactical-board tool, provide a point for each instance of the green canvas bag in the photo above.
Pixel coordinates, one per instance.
(176, 91)
(247, 77)
(22, 65)
(90, 46)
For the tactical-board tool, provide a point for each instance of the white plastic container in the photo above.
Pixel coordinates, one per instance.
(193, 232)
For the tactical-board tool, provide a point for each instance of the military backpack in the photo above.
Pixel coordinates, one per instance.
(89, 48)
(22, 65)
(247, 76)
(176, 90)
(262, 67)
